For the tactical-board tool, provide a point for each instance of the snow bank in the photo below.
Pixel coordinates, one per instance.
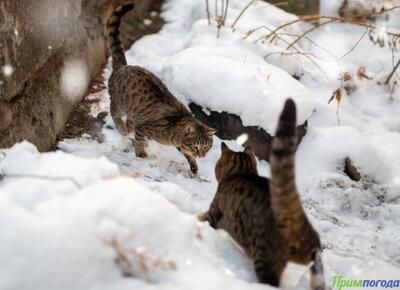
(356, 220)
(229, 79)
(69, 237)
(223, 73)
(85, 217)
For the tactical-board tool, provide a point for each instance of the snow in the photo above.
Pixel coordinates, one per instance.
(70, 230)
(147, 22)
(67, 216)
(199, 67)
(256, 90)
(74, 79)
(8, 70)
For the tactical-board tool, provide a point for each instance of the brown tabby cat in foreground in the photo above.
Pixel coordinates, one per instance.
(142, 104)
(265, 217)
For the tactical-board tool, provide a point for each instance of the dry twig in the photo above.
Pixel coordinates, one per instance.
(208, 12)
(392, 73)
(242, 12)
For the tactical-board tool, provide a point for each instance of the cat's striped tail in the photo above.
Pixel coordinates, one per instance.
(114, 39)
(285, 201)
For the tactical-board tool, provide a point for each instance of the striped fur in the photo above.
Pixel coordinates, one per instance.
(264, 216)
(285, 201)
(142, 105)
(114, 38)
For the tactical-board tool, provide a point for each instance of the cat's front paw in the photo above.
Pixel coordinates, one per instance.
(193, 168)
(203, 217)
(142, 154)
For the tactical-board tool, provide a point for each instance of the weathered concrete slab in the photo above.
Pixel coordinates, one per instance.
(39, 111)
(38, 38)
(30, 32)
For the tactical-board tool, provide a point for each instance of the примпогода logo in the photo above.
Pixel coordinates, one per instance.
(340, 283)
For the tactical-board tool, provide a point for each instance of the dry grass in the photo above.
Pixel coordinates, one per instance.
(137, 262)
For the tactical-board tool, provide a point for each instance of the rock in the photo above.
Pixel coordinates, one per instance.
(351, 170)
(230, 126)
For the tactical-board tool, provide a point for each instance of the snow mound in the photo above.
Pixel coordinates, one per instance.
(225, 73)
(325, 149)
(28, 174)
(108, 232)
(236, 81)
(113, 233)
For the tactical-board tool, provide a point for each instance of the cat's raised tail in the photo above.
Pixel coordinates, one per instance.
(114, 39)
(303, 241)
(285, 201)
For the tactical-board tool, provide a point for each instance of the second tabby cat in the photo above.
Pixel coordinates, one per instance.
(142, 104)
(264, 216)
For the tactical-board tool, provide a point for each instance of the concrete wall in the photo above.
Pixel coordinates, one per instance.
(38, 39)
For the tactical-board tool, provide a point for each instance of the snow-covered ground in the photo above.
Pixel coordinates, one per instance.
(104, 219)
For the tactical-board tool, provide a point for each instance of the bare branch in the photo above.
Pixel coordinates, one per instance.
(355, 45)
(307, 32)
(317, 18)
(226, 11)
(393, 72)
(242, 12)
(208, 12)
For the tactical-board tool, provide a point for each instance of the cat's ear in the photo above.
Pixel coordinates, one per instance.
(211, 131)
(189, 130)
(224, 147)
(249, 150)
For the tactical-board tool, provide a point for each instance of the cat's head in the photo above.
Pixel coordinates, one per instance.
(231, 163)
(197, 139)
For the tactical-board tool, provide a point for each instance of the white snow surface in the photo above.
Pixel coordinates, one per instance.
(224, 73)
(66, 216)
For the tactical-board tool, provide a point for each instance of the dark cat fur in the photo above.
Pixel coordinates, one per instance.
(264, 216)
(142, 104)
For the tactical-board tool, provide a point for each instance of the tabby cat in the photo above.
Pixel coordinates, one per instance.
(264, 216)
(142, 104)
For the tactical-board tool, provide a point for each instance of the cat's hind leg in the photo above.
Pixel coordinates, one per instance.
(265, 271)
(119, 121)
(268, 264)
